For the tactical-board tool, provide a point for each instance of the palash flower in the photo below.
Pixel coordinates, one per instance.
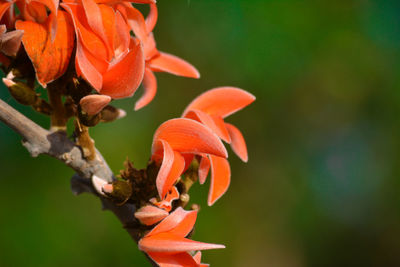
(156, 61)
(176, 141)
(166, 242)
(48, 48)
(107, 57)
(210, 108)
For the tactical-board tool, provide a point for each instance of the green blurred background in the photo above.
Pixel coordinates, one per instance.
(321, 187)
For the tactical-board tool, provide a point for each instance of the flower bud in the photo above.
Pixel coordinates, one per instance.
(118, 191)
(21, 92)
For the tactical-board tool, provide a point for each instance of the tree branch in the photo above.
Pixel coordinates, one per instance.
(56, 144)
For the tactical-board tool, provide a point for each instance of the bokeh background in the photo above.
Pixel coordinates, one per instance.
(321, 187)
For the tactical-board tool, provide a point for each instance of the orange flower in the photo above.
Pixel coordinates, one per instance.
(107, 56)
(210, 108)
(156, 61)
(174, 140)
(50, 58)
(166, 242)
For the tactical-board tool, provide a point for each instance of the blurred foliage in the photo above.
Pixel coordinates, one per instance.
(322, 184)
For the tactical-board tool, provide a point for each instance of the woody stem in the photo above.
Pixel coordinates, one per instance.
(84, 140)
(57, 145)
(58, 116)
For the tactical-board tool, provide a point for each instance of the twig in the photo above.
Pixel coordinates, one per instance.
(56, 144)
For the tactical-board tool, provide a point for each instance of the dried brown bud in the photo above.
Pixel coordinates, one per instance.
(118, 191)
(10, 42)
(93, 104)
(110, 113)
(21, 92)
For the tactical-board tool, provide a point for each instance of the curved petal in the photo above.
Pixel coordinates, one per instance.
(215, 123)
(151, 19)
(204, 168)
(166, 165)
(53, 7)
(134, 19)
(124, 77)
(4, 6)
(174, 65)
(150, 215)
(171, 168)
(89, 40)
(170, 243)
(122, 37)
(150, 89)
(51, 4)
(50, 59)
(238, 143)
(85, 68)
(221, 101)
(35, 11)
(188, 160)
(93, 104)
(94, 18)
(197, 258)
(189, 136)
(149, 47)
(180, 223)
(173, 260)
(220, 178)
(166, 204)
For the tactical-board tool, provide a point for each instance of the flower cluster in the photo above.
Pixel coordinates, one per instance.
(97, 34)
(177, 143)
(87, 53)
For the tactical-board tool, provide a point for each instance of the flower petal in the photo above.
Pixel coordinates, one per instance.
(180, 223)
(171, 168)
(220, 178)
(197, 258)
(124, 77)
(173, 260)
(50, 59)
(215, 123)
(238, 143)
(150, 89)
(85, 68)
(134, 19)
(89, 40)
(189, 136)
(4, 6)
(166, 203)
(151, 19)
(150, 215)
(170, 243)
(93, 104)
(221, 101)
(94, 18)
(204, 168)
(174, 65)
